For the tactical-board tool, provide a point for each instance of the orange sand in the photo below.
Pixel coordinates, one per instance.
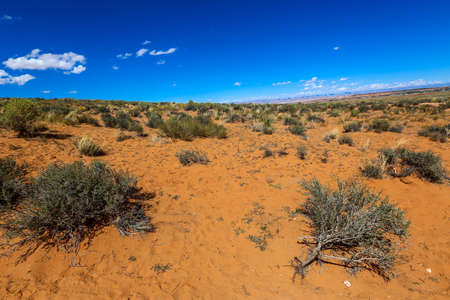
(202, 216)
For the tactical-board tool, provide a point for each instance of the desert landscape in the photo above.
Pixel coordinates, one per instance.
(218, 197)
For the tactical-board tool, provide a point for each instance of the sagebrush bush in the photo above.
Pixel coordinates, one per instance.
(189, 157)
(298, 129)
(345, 139)
(20, 115)
(436, 132)
(380, 125)
(87, 147)
(68, 203)
(186, 128)
(154, 120)
(401, 162)
(352, 127)
(374, 168)
(352, 227)
(11, 186)
(301, 152)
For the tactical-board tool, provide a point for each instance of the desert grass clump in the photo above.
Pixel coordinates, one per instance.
(70, 202)
(374, 168)
(352, 127)
(121, 136)
(186, 128)
(436, 132)
(298, 129)
(402, 162)
(87, 147)
(20, 116)
(11, 186)
(345, 139)
(352, 227)
(154, 120)
(380, 125)
(268, 125)
(189, 157)
(301, 152)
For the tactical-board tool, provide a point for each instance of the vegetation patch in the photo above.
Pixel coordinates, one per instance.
(189, 157)
(352, 227)
(11, 186)
(20, 116)
(436, 132)
(68, 203)
(87, 147)
(186, 128)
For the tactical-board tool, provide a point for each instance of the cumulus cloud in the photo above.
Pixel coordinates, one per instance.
(124, 56)
(314, 83)
(115, 68)
(73, 92)
(141, 52)
(161, 52)
(161, 62)
(46, 92)
(146, 42)
(6, 78)
(37, 61)
(336, 48)
(281, 83)
(237, 83)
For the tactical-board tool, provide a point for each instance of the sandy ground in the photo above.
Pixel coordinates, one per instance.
(204, 215)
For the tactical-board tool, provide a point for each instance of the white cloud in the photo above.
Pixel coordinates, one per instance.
(141, 52)
(37, 61)
(281, 83)
(314, 83)
(161, 62)
(7, 18)
(6, 78)
(124, 56)
(237, 83)
(161, 52)
(115, 68)
(343, 78)
(76, 70)
(174, 84)
(336, 48)
(46, 92)
(73, 92)
(146, 42)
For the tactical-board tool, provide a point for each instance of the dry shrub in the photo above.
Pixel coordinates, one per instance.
(87, 147)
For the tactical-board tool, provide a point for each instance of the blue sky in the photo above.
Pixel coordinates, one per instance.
(220, 50)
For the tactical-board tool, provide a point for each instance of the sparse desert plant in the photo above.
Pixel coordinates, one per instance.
(20, 115)
(301, 152)
(374, 168)
(345, 139)
(186, 128)
(330, 136)
(352, 227)
(87, 147)
(121, 136)
(68, 203)
(298, 129)
(268, 125)
(267, 152)
(257, 127)
(189, 157)
(380, 125)
(401, 162)
(109, 120)
(436, 132)
(11, 186)
(154, 120)
(352, 126)
(398, 128)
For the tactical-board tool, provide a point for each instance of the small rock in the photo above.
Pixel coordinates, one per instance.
(347, 283)
(428, 270)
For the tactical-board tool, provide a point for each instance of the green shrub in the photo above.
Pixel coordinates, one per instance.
(352, 227)
(154, 120)
(109, 120)
(87, 147)
(186, 128)
(345, 139)
(380, 125)
(11, 187)
(20, 115)
(401, 162)
(436, 132)
(375, 168)
(301, 152)
(298, 129)
(71, 202)
(352, 127)
(189, 157)
(268, 125)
